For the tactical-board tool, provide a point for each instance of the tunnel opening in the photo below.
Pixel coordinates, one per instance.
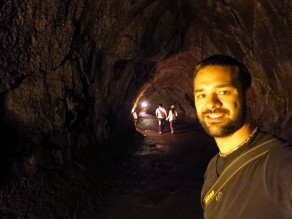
(171, 85)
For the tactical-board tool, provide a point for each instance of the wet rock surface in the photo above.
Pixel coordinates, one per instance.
(165, 174)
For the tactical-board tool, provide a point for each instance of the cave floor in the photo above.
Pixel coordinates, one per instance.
(165, 174)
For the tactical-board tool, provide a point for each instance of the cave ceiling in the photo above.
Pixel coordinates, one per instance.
(112, 53)
(71, 71)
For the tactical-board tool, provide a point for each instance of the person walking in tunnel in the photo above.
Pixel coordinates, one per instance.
(161, 115)
(135, 114)
(172, 115)
(251, 176)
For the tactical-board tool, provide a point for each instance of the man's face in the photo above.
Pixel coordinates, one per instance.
(219, 100)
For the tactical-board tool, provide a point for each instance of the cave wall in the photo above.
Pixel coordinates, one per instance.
(70, 72)
(258, 33)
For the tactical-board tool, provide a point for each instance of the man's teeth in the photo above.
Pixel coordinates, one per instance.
(214, 116)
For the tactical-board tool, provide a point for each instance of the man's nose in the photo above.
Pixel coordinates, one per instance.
(213, 101)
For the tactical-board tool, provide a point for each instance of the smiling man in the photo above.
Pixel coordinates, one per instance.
(251, 176)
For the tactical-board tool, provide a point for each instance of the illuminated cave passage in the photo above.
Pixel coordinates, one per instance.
(71, 72)
(171, 85)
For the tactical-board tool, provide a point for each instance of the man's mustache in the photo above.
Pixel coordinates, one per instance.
(208, 111)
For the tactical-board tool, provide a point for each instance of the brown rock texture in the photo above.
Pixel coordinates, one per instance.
(71, 71)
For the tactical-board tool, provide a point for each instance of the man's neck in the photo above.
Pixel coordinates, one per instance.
(232, 142)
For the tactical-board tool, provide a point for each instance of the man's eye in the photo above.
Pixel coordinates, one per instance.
(200, 96)
(224, 92)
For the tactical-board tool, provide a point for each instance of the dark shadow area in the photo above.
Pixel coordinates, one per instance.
(160, 177)
(9, 154)
(65, 170)
(164, 175)
(12, 149)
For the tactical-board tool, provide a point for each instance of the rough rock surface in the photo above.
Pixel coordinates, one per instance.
(71, 70)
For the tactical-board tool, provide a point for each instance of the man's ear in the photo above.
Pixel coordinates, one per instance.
(249, 96)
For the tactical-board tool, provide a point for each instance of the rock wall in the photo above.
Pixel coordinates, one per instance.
(70, 72)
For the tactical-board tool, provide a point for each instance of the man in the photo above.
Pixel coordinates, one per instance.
(161, 115)
(262, 187)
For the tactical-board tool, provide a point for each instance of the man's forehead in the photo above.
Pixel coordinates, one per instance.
(216, 73)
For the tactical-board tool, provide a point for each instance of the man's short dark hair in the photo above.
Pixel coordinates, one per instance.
(223, 60)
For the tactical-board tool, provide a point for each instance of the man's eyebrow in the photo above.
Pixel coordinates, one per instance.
(198, 90)
(217, 86)
(224, 85)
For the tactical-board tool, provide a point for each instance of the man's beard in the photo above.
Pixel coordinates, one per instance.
(229, 127)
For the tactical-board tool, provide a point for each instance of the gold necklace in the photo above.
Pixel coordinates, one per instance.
(240, 145)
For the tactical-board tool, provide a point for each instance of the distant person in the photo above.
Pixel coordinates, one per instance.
(172, 115)
(251, 176)
(161, 115)
(135, 115)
